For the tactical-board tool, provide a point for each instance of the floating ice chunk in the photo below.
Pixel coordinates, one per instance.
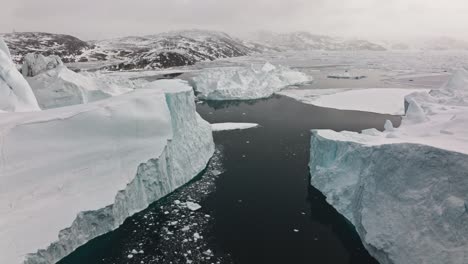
(388, 126)
(192, 206)
(231, 83)
(346, 75)
(268, 67)
(232, 126)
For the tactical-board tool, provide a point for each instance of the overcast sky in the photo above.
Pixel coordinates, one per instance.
(97, 19)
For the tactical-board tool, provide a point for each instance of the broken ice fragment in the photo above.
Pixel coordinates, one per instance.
(192, 206)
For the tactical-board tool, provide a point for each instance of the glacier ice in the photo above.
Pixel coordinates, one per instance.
(59, 86)
(15, 93)
(404, 189)
(105, 161)
(240, 83)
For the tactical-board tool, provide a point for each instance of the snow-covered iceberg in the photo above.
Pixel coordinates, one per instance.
(73, 173)
(404, 189)
(54, 85)
(240, 83)
(60, 86)
(15, 93)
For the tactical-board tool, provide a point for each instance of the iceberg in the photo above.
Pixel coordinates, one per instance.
(376, 100)
(15, 93)
(105, 161)
(242, 83)
(60, 87)
(54, 85)
(404, 189)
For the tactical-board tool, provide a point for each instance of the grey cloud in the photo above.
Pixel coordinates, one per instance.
(91, 19)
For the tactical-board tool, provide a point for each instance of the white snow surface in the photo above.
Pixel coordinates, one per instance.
(242, 83)
(57, 87)
(15, 93)
(232, 126)
(377, 100)
(105, 161)
(404, 189)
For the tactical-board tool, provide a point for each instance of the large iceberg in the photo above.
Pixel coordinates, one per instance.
(54, 85)
(239, 83)
(105, 161)
(405, 189)
(15, 93)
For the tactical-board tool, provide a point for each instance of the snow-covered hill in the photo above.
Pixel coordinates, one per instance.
(175, 48)
(67, 47)
(308, 41)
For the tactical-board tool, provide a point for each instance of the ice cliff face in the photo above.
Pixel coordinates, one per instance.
(405, 189)
(106, 161)
(407, 201)
(241, 83)
(15, 93)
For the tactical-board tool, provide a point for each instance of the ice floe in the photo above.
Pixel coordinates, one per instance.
(376, 100)
(232, 126)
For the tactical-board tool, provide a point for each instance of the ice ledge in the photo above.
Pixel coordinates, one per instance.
(113, 157)
(407, 201)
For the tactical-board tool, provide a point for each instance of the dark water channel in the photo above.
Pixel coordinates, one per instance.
(259, 207)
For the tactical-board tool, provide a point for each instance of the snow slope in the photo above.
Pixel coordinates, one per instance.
(105, 161)
(377, 100)
(404, 189)
(240, 83)
(15, 93)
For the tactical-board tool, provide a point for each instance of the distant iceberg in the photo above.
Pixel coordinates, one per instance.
(241, 83)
